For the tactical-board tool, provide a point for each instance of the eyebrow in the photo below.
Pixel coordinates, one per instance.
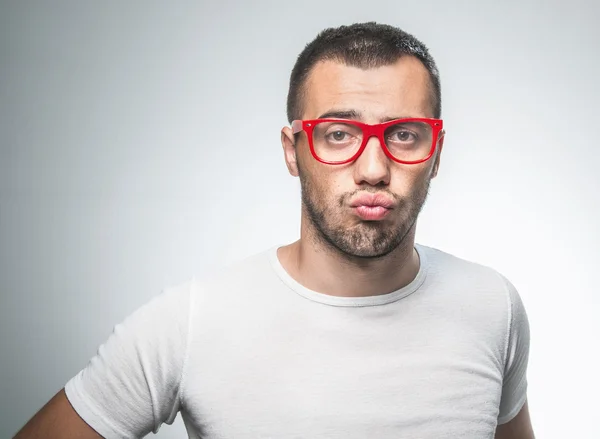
(353, 114)
(340, 114)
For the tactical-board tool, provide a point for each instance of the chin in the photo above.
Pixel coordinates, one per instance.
(368, 252)
(366, 244)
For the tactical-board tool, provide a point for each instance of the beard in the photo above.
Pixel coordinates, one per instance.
(367, 239)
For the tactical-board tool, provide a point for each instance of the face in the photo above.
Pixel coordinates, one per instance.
(335, 197)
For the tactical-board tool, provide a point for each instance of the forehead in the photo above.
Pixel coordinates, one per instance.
(401, 89)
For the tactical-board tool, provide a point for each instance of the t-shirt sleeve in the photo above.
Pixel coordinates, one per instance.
(514, 387)
(132, 385)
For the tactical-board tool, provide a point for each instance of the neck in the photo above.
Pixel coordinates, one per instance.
(319, 267)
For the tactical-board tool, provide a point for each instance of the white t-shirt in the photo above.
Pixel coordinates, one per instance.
(250, 353)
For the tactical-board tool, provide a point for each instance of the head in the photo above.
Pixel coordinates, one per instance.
(370, 73)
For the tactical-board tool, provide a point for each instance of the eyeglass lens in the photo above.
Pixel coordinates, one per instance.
(338, 141)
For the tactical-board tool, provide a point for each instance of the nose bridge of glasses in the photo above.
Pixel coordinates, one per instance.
(374, 132)
(374, 149)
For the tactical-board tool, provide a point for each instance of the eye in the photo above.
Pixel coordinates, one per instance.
(402, 136)
(338, 135)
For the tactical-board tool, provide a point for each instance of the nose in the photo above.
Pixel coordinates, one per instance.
(372, 166)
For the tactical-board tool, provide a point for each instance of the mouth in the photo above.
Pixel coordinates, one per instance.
(371, 213)
(372, 207)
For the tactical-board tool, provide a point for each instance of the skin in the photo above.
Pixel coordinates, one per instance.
(517, 428)
(337, 253)
(57, 420)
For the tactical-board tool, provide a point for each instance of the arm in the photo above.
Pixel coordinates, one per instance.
(517, 428)
(57, 420)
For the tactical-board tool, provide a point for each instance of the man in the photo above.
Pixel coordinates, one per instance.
(351, 332)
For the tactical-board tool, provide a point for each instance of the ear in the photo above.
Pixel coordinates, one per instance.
(289, 150)
(440, 146)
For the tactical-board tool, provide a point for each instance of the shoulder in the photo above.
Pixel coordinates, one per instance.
(470, 288)
(452, 270)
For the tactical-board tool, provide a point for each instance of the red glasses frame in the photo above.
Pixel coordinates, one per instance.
(375, 130)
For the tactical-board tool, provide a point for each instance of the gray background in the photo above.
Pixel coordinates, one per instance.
(139, 145)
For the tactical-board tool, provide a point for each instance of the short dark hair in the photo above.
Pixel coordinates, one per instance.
(363, 45)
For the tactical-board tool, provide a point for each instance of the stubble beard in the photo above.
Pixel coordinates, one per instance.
(367, 239)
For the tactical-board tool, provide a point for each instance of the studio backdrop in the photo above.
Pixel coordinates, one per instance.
(140, 146)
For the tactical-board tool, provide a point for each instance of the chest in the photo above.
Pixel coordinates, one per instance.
(334, 380)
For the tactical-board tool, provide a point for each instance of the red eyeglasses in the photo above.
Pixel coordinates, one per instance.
(340, 141)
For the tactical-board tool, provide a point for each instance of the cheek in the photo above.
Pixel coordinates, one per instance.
(408, 180)
(338, 182)
(327, 186)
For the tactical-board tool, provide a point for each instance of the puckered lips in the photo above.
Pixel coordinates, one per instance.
(372, 207)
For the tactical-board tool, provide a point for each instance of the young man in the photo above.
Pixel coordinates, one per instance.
(353, 331)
